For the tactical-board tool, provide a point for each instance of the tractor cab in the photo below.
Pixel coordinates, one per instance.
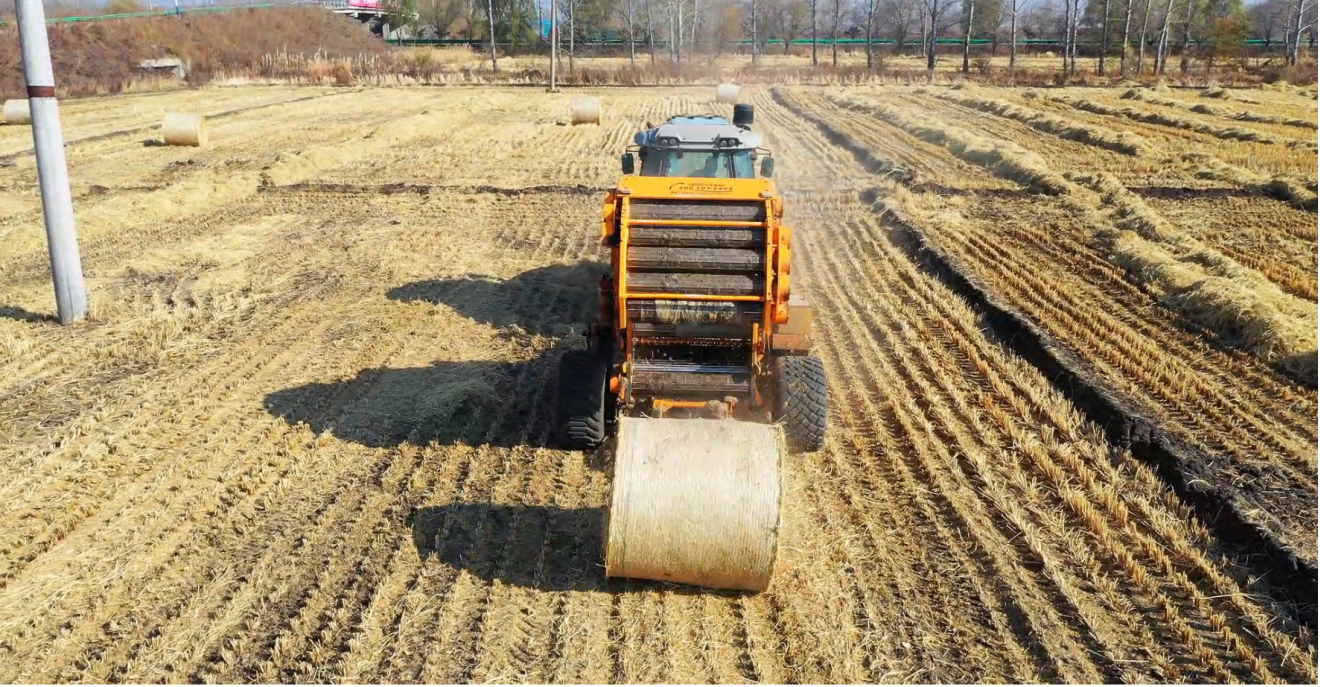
(700, 147)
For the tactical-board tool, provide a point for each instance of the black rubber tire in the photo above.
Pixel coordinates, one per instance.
(580, 400)
(803, 402)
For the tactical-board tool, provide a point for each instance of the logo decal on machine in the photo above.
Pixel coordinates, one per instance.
(699, 189)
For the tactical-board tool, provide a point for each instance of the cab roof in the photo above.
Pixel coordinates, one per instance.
(698, 132)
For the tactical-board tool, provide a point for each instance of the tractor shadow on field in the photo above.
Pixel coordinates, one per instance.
(547, 548)
(550, 301)
(480, 402)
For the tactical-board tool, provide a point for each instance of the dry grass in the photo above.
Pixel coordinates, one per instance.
(1123, 142)
(1162, 119)
(1296, 192)
(305, 436)
(1005, 159)
(1236, 304)
(1202, 108)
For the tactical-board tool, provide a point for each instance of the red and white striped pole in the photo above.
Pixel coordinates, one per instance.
(52, 168)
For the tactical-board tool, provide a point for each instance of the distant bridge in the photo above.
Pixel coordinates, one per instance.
(374, 13)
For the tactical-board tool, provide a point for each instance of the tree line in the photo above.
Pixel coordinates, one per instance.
(1141, 35)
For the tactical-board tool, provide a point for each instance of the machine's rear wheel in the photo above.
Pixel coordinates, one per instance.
(803, 401)
(580, 401)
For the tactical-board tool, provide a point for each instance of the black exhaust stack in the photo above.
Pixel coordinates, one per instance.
(742, 115)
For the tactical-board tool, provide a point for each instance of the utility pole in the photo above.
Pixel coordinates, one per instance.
(490, 26)
(554, 44)
(52, 168)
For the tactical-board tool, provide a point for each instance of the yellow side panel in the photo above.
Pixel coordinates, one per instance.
(705, 189)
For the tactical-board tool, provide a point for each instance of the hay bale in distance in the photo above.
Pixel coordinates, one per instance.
(184, 129)
(727, 93)
(585, 110)
(695, 502)
(17, 112)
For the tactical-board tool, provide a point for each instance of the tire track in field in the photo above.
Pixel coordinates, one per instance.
(434, 667)
(928, 461)
(300, 670)
(1298, 485)
(830, 222)
(1195, 596)
(330, 587)
(1191, 600)
(238, 485)
(143, 426)
(286, 352)
(1261, 391)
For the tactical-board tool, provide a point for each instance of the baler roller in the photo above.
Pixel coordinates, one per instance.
(656, 311)
(697, 237)
(704, 284)
(710, 260)
(728, 211)
(669, 378)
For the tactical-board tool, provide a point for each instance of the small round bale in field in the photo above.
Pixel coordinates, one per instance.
(586, 110)
(17, 112)
(727, 93)
(184, 129)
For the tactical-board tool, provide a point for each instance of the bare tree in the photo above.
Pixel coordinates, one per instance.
(1066, 38)
(676, 37)
(1186, 57)
(1127, 38)
(1012, 37)
(1302, 18)
(1141, 51)
(696, 17)
(441, 15)
(789, 20)
(870, 33)
(933, 13)
(901, 14)
(815, 61)
(1161, 52)
(754, 26)
(572, 6)
(632, 44)
(1104, 38)
(650, 32)
(834, 32)
(1072, 35)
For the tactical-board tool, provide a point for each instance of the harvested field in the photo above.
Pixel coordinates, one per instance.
(305, 434)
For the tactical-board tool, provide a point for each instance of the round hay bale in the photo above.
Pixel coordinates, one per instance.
(17, 112)
(695, 502)
(727, 93)
(184, 129)
(585, 110)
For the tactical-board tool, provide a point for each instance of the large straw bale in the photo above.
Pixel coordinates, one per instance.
(585, 110)
(695, 502)
(17, 112)
(184, 129)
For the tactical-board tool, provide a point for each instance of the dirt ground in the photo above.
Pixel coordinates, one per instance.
(305, 434)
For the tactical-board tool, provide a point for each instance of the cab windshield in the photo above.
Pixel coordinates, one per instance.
(701, 164)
